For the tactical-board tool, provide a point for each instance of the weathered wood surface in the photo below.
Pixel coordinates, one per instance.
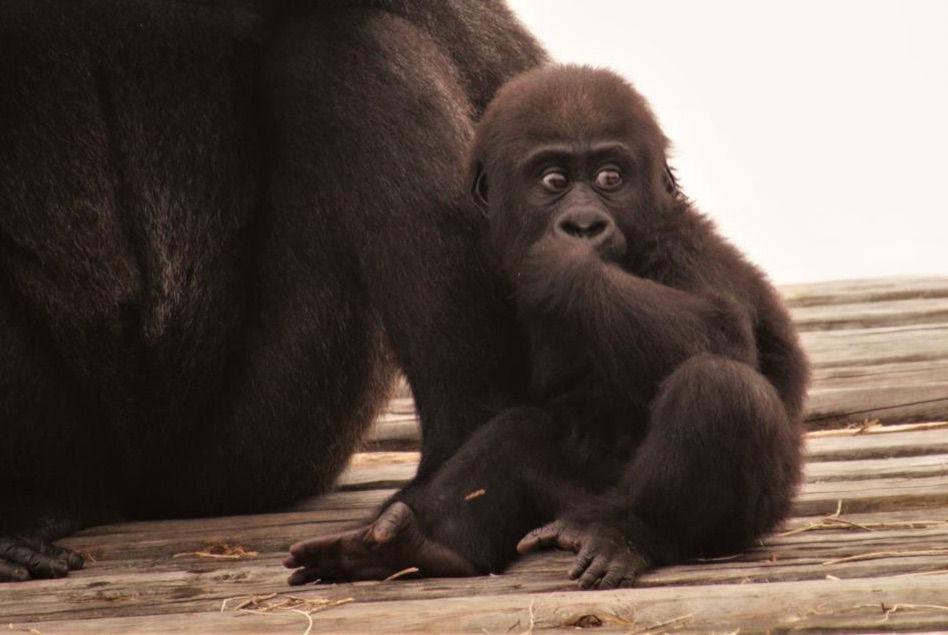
(866, 548)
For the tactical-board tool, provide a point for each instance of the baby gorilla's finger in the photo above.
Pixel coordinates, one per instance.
(389, 525)
(582, 562)
(615, 574)
(541, 537)
(303, 576)
(626, 582)
(310, 552)
(594, 573)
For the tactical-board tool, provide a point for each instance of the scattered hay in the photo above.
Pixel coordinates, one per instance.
(827, 523)
(916, 574)
(874, 426)
(475, 494)
(675, 623)
(876, 555)
(89, 556)
(831, 522)
(402, 574)
(219, 552)
(834, 521)
(891, 609)
(275, 603)
(533, 619)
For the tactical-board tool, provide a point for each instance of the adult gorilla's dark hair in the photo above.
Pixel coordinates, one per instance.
(222, 225)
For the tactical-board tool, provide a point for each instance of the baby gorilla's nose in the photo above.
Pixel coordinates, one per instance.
(590, 225)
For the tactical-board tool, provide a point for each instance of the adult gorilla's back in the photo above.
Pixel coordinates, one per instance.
(220, 224)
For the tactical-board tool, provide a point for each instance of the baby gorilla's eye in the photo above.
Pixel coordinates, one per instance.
(608, 179)
(554, 180)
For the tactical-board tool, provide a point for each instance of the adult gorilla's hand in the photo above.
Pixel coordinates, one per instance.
(23, 558)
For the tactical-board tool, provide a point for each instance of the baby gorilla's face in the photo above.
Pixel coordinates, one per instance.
(571, 157)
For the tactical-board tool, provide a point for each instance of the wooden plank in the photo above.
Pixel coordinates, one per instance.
(396, 474)
(884, 345)
(837, 292)
(880, 313)
(877, 446)
(108, 586)
(164, 539)
(854, 604)
(860, 470)
(169, 593)
(904, 403)
(899, 373)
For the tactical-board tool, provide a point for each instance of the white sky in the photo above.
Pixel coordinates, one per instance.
(815, 132)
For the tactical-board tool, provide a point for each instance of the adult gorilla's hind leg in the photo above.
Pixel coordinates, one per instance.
(392, 120)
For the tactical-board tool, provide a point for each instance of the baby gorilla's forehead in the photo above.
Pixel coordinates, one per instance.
(570, 104)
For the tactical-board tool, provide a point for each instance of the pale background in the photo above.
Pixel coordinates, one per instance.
(815, 132)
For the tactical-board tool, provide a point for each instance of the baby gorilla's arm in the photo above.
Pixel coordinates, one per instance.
(628, 322)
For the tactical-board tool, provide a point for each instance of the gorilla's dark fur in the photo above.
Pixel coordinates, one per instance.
(222, 225)
(663, 420)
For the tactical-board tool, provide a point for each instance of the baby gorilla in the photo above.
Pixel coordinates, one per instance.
(664, 412)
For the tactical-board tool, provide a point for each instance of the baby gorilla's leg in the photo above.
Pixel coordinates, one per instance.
(717, 469)
(508, 478)
(721, 461)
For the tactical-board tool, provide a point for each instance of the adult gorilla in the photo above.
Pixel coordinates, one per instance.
(221, 222)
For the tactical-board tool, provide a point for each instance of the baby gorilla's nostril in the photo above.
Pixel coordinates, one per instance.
(584, 231)
(588, 225)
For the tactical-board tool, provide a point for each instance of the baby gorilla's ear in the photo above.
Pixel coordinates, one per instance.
(669, 181)
(479, 187)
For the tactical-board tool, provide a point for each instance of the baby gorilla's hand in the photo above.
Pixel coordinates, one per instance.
(555, 273)
(605, 559)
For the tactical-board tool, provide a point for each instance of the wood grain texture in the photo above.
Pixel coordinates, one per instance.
(866, 547)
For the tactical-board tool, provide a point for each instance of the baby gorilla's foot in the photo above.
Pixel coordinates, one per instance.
(24, 558)
(393, 543)
(605, 558)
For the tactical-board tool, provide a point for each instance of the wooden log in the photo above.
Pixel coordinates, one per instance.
(389, 476)
(836, 292)
(881, 313)
(904, 603)
(107, 587)
(877, 446)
